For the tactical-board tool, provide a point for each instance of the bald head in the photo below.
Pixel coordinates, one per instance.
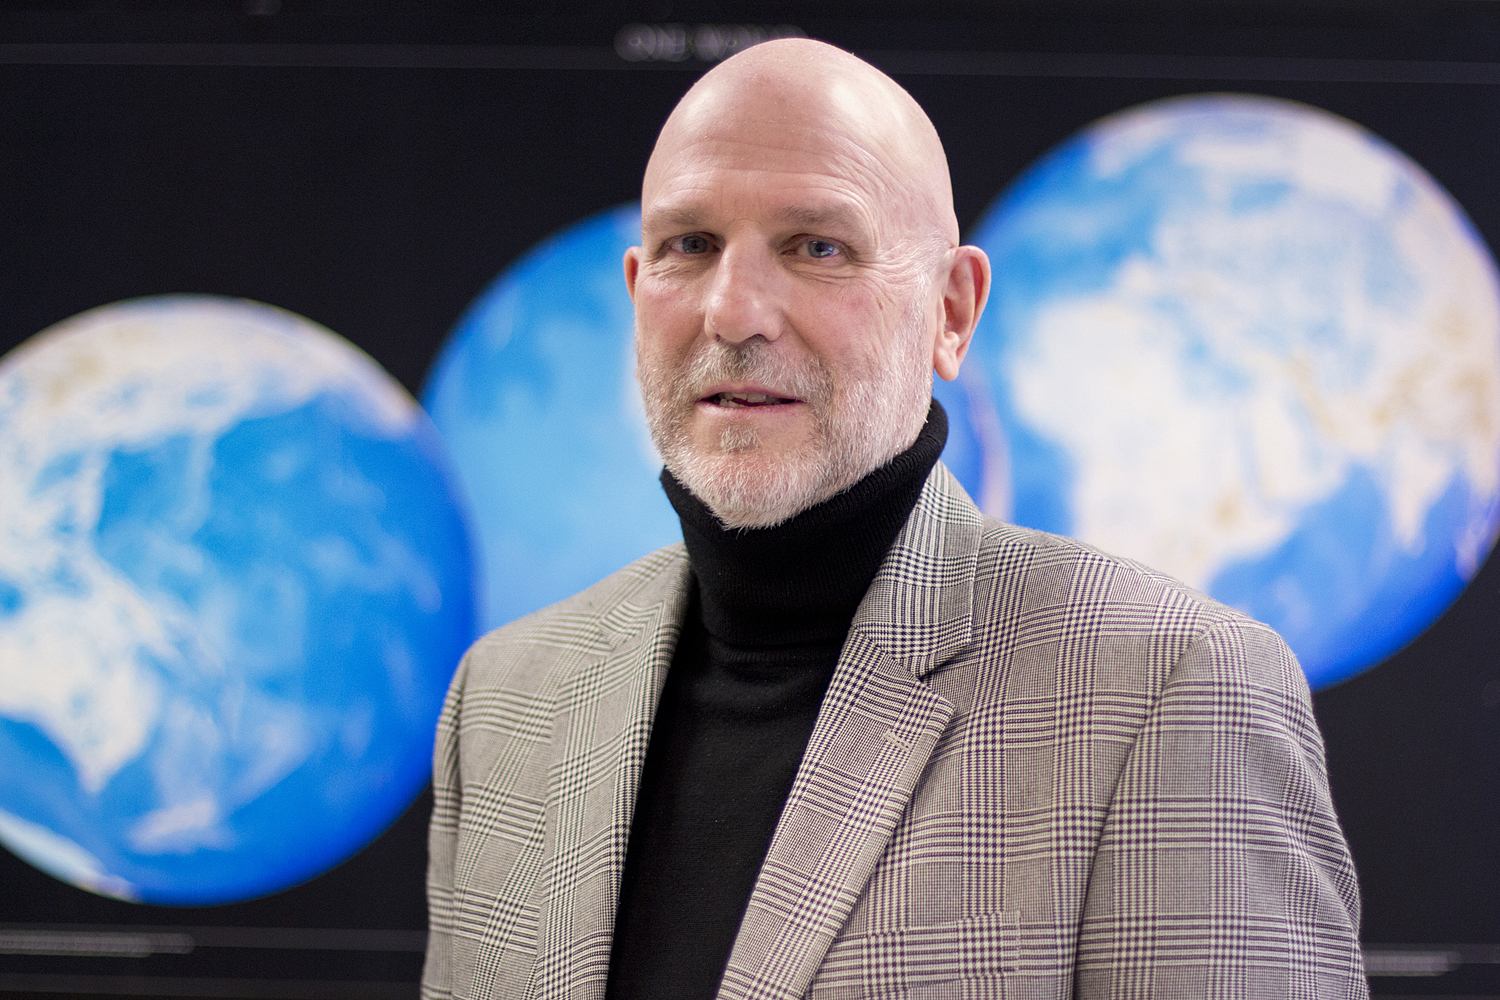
(797, 94)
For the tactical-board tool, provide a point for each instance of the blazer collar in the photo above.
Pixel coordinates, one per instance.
(920, 606)
(875, 733)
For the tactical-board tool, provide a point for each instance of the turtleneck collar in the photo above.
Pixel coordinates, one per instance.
(802, 580)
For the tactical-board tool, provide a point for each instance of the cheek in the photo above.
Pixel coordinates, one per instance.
(664, 309)
(852, 324)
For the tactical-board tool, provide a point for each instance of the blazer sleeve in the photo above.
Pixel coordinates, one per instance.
(442, 844)
(1221, 869)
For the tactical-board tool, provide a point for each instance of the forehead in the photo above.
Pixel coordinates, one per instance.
(795, 174)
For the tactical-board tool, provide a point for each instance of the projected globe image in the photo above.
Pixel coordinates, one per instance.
(233, 587)
(535, 394)
(1252, 345)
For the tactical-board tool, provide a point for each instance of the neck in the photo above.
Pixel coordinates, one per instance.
(802, 580)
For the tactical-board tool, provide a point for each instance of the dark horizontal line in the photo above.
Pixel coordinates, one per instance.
(93, 943)
(1469, 954)
(384, 56)
(69, 939)
(320, 938)
(1183, 67)
(895, 61)
(248, 989)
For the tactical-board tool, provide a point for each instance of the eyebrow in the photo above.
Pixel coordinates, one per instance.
(823, 217)
(817, 218)
(683, 216)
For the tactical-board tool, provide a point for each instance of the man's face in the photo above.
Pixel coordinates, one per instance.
(785, 318)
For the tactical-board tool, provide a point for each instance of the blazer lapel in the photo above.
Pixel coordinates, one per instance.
(603, 726)
(875, 733)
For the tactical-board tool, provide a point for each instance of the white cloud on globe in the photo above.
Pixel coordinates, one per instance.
(1255, 346)
(1273, 307)
(62, 857)
(59, 397)
(99, 666)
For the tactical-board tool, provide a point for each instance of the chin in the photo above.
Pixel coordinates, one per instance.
(754, 489)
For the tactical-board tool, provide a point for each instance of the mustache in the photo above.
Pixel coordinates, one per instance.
(755, 361)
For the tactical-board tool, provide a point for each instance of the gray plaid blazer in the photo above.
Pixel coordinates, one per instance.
(1039, 771)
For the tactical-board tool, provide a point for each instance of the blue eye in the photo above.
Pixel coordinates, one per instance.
(692, 244)
(821, 248)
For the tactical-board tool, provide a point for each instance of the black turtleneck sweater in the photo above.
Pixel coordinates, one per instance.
(768, 615)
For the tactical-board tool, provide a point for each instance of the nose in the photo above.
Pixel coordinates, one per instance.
(743, 300)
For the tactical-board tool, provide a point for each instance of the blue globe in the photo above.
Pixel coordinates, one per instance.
(1253, 345)
(234, 584)
(535, 394)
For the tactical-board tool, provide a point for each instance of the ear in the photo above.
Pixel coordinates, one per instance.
(967, 288)
(632, 268)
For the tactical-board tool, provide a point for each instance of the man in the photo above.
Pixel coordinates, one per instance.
(857, 739)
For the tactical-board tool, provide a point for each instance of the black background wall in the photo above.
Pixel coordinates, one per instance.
(375, 169)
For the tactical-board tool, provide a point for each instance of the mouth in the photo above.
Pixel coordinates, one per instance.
(737, 399)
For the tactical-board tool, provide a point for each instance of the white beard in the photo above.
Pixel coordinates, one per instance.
(864, 413)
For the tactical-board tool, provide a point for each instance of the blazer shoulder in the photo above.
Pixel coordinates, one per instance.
(959, 579)
(1025, 550)
(1035, 571)
(535, 652)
